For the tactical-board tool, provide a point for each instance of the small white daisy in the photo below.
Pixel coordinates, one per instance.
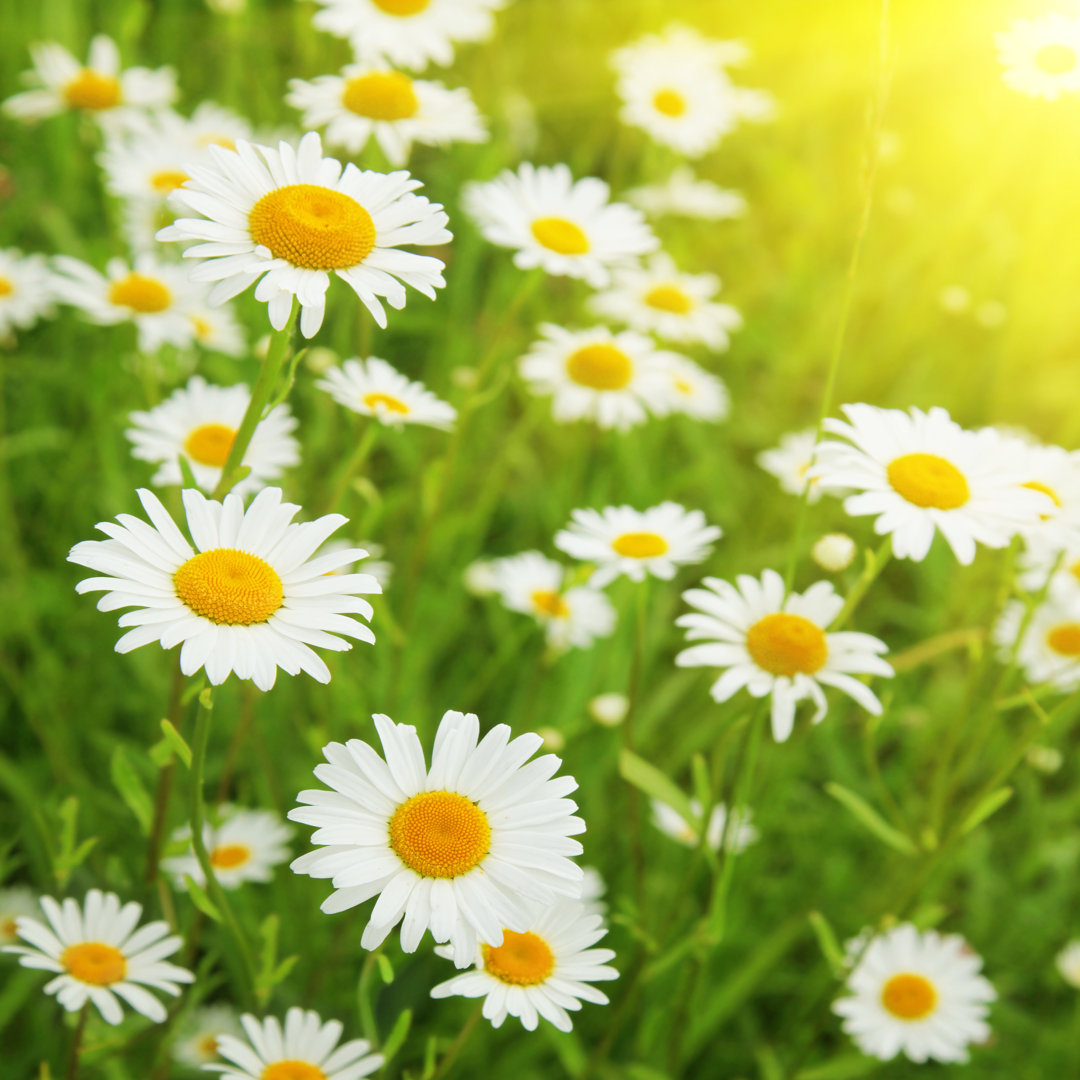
(1057, 568)
(99, 956)
(1068, 963)
(197, 1043)
(543, 971)
(776, 644)
(685, 195)
(1041, 56)
(1049, 651)
(1056, 473)
(567, 227)
(460, 848)
(27, 290)
(622, 540)
(593, 888)
(479, 578)
(694, 391)
(372, 387)
(217, 329)
(790, 463)
(247, 598)
(16, 901)
(919, 994)
(670, 822)
(288, 218)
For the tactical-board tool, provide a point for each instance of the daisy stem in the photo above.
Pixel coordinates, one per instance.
(351, 465)
(875, 563)
(76, 1043)
(454, 1048)
(163, 794)
(633, 699)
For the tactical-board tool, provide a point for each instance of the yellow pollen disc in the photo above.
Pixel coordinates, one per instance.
(1055, 59)
(1064, 639)
(140, 293)
(928, 481)
(401, 7)
(909, 997)
(292, 1070)
(229, 586)
(639, 545)
(392, 403)
(167, 180)
(6, 287)
(440, 834)
(94, 963)
(229, 856)
(210, 444)
(550, 603)
(1034, 485)
(683, 386)
(669, 102)
(1075, 570)
(202, 328)
(668, 298)
(9, 928)
(381, 95)
(225, 141)
(561, 236)
(92, 90)
(785, 644)
(521, 960)
(208, 1045)
(600, 367)
(313, 227)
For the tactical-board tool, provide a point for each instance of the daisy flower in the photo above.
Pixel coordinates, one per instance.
(27, 291)
(685, 195)
(197, 1044)
(1068, 963)
(287, 218)
(919, 994)
(920, 473)
(533, 584)
(671, 823)
(365, 101)
(695, 391)
(372, 387)
(776, 644)
(1056, 473)
(593, 888)
(303, 1048)
(460, 848)
(216, 329)
(376, 566)
(1049, 651)
(99, 956)
(247, 598)
(566, 227)
(692, 48)
(790, 463)
(542, 971)
(614, 380)
(834, 552)
(16, 901)
(1041, 56)
(199, 422)
(622, 540)
(1058, 568)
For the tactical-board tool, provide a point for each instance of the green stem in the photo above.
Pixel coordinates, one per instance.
(633, 699)
(368, 1028)
(163, 794)
(76, 1043)
(454, 1048)
(874, 565)
(351, 465)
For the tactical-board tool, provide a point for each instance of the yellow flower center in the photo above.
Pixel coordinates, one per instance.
(167, 180)
(928, 481)
(669, 102)
(909, 997)
(6, 287)
(683, 386)
(561, 236)
(229, 586)
(785, 644)
(521, 960)
(140, 293)
(95, 963)
(640, 545)
(208, 1046)
(600, 367)
(1035, 485)
(1055, 59)
(226, 141)
(386, 401)
(440, 834)
(210, 444)
(381, 95)
(92, 90)
(9, 929)
(550, 603)
(229, 856)
(203, 329)
(313, 227)
(401, 7)
(669, 298)
(292, 1070)
(1064, 639)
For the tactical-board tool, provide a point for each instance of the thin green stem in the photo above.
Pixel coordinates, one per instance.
(454, 1048)
(351, 465)
(874, 565)
(76, 1042)
(633, 696)
(163, 794)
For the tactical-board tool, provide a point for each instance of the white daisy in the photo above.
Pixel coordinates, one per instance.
(686, 195)
(610, 709)
(27, 291)
(790, 463)
(303, 1048)
(777, 644)
(16, 901)
(593, 888)
(919, 994)
(197, 1043)
(288, 218)
(1041, 56)
(376, 566)
(460, 848)
(479, 578)
(695, 391)
(217, 329)
(670, 822)
(534, 584)
(1068, 963)
(622, 540)
(365, 101)
(543, 971)
(1057, 568)
(1049, 651)
(372, 387)
(692, 47)
(99, 956)
(567, 227)
(199, 422)
(248, 597)
(920, 472)
(1056, 473)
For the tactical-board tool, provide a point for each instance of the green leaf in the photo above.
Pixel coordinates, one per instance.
(128, 783)
(847, 1067)
(863, 812)
(398, 1034)
(702, 783)
(186, 475)
(177, 742)
(649, 779)
(988, 805)
(386, 969)
(200, 899)
(826, 939)
(206, 698)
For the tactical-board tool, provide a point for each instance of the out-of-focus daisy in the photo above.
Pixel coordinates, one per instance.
(567, 227)
(289, 218)
(690, 45)
(16, 901)
(614, 380)
(593, 888)
(303, 1048)
(919, 994)
(247, 598)
(541, 972)
(695, 391)
(609, 710)
(776, 644)
(1041, 56)
(533, 584)
(1049, 651)
(217, 329)
(199, 422)
(1043, 564)
(790, 463)
(685, 195)
(479, 577)
(1068, 963)
(27, 291)
(372, 387)
(622, 540)
(460, 848)
(834, 552)
(670, 822)
(99, 956)
(920, 473)
(375, 565)
(398, 111)
(1056, 473)
(197, 1044)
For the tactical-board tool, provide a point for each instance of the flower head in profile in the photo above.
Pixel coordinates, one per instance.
(27, 290)
(372, 387)
(671, 823)
(1048, 648)
(1041, 56)
(790, 463)
(1055, 472)
(16, 901)
(197, 1042)
(694, 391)
(685, 195)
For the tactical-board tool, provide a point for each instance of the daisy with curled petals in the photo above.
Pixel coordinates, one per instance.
(197, 1043)
(288, 218)
(566, 227)
(790, 463)
(372, 387)
(776, 644)
(303, 1048)
(695, 391)
(460, 848)
(544, 971)
(1049, 651)
(99, 956)
(622, 540)
(247, 598)
(919, 994)
(920, 473)
(27, 292)
(1041, 57)
(671, 823)
(365, 101)
(685, 195)
(199, 422)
